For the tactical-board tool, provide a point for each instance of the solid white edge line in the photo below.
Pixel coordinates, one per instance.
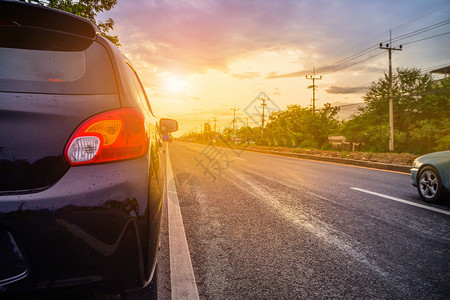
(445, 212)
(182, 277)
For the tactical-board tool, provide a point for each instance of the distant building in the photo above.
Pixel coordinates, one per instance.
(339, 142)
(444, 70)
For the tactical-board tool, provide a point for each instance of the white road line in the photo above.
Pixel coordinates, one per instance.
(239, 158)
(445, 212)
(182, 277)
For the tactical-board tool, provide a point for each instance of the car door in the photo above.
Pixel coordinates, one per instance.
(156, 171)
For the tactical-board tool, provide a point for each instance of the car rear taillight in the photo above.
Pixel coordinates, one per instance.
(106, 137)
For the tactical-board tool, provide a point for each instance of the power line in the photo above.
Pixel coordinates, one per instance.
(331, 69)
(420, 31)
(435, 67)
(427, 38)
(335, 67)
(251, 117)
(351, 90)
(351, 104)
(381, 34)
(341, 64)
(423, 16)
(355, 63)
(342, 61)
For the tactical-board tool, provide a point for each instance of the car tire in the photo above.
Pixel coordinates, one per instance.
(429, 185)
(148, 292)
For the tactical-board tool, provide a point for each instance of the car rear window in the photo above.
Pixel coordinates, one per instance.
(57, 72)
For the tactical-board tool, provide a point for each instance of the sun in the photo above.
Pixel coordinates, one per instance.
(174, 85)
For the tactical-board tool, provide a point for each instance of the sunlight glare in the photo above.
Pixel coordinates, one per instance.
(174, 85)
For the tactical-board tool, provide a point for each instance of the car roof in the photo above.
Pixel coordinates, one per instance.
(39, 17)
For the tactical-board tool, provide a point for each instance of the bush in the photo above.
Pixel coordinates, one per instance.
(327, 146)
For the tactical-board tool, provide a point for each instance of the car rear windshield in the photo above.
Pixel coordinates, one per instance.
(57, 72)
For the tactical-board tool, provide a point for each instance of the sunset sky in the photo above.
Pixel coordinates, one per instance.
(198, 59)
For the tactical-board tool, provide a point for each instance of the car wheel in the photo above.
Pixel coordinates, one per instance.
(429, 185)
(148, 292)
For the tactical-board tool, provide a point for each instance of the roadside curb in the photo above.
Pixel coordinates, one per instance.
(360, 163)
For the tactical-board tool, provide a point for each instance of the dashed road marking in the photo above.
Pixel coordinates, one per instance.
(239, 158)
(182, 277)
(445, 212)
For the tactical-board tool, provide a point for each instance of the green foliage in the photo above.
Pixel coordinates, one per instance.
(421, 119)
(247, 134)
(442, 142)
(208, 133)
(327, 146)
(421, 114)
(105, 28)
(297, 126)
(89, 9)
(293, 127)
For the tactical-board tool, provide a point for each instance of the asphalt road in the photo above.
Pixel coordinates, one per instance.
(261, 226)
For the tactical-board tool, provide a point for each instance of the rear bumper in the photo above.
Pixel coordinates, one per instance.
(90, 230)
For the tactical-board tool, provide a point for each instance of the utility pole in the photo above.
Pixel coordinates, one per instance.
(234, 121)
(263, 104)
(215, 121)
(208, 133)
(201, 130)
(234, 116)
(313, 87)
(391, 101)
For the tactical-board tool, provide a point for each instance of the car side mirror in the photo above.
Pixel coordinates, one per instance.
(168, 125)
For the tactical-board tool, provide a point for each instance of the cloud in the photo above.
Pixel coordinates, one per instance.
(347, 90)
(163, 95)
(191, 36)
(376, 70)
(247, 75)
(274, 75)
(194, 36)
(303, 73)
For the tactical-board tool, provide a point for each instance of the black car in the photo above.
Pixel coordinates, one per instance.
(81, 175)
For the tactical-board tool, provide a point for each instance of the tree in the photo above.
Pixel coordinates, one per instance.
(247, 134)
(227, 135)
(324, 123)
(207, 132)
(87, 9)
(421, 109)
(299, 126)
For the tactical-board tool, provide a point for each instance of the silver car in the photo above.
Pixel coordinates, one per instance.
(430, 173)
